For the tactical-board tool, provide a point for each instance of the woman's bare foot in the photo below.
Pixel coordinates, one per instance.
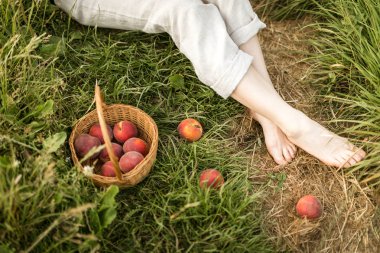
(328, 147)
(307, 134)
(278, 145)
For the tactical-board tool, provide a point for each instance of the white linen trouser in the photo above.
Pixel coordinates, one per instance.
(207, 32)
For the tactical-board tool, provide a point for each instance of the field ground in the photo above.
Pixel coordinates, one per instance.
(48, 67)
(348, 223)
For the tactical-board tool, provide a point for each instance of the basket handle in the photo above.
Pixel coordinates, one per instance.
(103, 127)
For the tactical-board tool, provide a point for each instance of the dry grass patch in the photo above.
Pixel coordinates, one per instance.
(348, 223)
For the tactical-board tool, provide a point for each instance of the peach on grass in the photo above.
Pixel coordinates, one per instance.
(107, 169)
(84, 143)
(124, 130)
(117, 150)
(129, 161)
(136, 144)
(309, 206)
(211, 178)
(97, 132)
(190, 129)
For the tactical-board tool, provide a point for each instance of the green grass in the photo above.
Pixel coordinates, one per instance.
(48, 68)
(348, 60)
(285, 9)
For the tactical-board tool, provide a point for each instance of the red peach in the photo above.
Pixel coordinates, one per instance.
(129, 161)
(107, 169)
(117, 150)
(211, 178)
(84, 143)
(190, 129)
(309, 206)
(124, 130)
(136, 144)
(97, 132)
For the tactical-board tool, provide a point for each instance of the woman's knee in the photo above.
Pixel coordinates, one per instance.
(82, 11)
(179, 11)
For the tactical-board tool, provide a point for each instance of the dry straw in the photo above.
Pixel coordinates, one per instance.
(348, 222)
(112, 114)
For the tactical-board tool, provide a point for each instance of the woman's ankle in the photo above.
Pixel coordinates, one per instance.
(295, 123)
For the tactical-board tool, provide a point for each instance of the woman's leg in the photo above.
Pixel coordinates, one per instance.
(216, 59)
(277, 142)
(243, 24)
(307, 134)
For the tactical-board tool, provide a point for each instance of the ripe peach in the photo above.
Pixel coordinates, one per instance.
(211, 178)
(108, 170)
(309, 206)
(129, 161)
(84, 142)
(136, 144)
(117, 150)
(124, 130)
(190, 129)
(96, 132)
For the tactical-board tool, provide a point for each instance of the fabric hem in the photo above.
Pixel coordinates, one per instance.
(232, 77)
(246, 32)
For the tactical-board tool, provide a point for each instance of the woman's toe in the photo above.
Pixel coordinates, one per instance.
(343, 160)
(357, 157)
(278, 157)
(287, 155)
(352, 161)
(361, 153)
(291, 152)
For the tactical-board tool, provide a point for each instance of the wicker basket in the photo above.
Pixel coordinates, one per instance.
(111, 114)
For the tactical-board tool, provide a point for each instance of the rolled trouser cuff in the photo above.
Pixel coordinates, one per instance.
(230, 79)
(246, 32)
